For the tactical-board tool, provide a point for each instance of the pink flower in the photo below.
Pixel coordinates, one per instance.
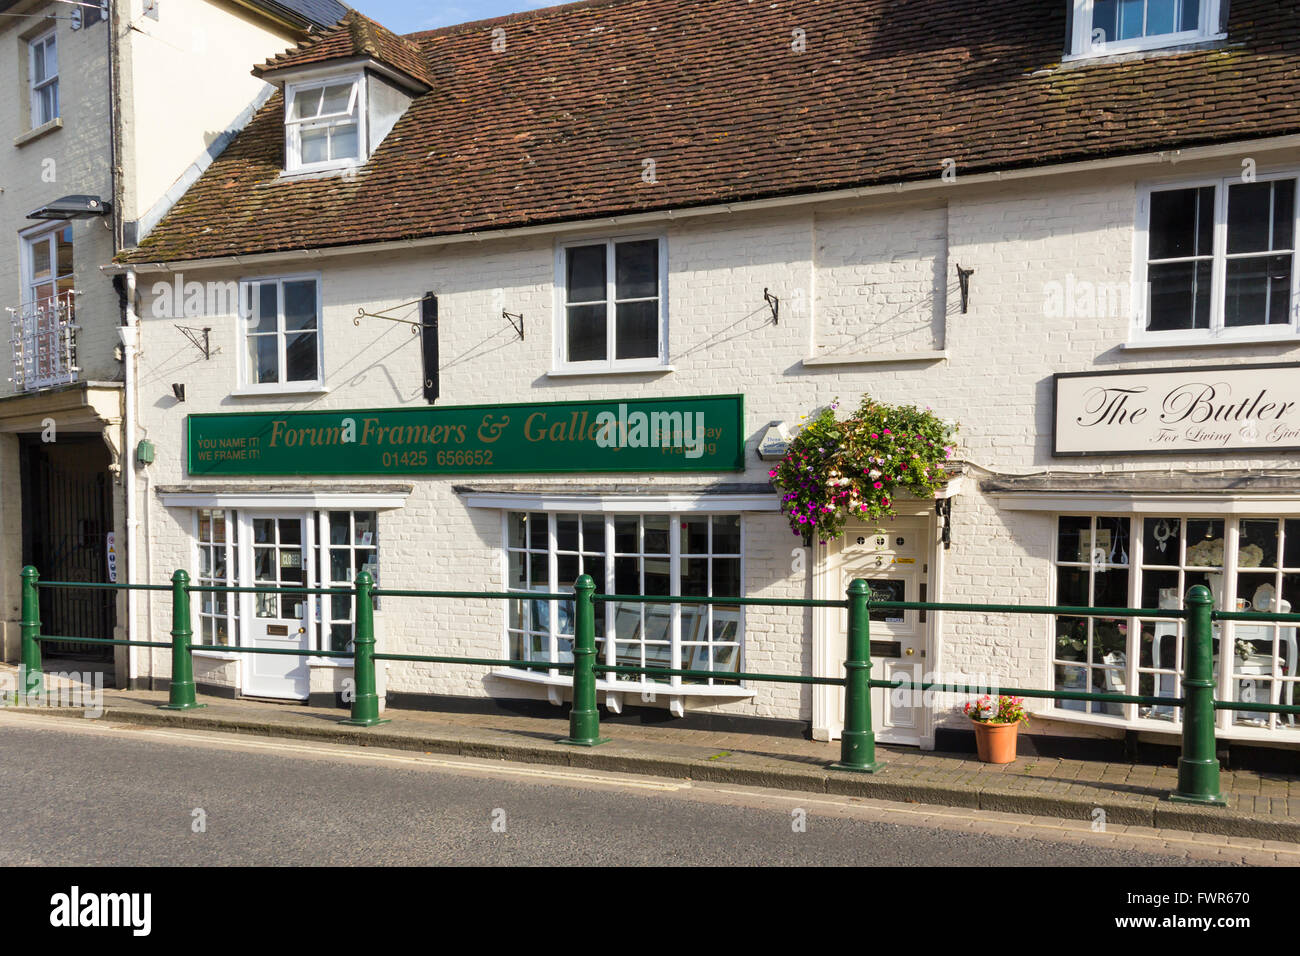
(878, 485)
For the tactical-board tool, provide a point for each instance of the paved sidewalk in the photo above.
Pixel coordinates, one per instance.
(1260, 805)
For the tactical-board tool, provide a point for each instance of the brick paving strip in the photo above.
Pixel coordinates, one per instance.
(1260, 807)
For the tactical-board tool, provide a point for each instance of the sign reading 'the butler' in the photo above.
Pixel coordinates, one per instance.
(1205, 409)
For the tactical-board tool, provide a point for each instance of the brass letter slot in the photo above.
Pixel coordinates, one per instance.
(277, 630)
(886, 648)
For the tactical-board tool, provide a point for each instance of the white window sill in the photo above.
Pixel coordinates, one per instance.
(877, 358)
(343, 662)
(1283, 733)
(605, 686)
(610, 370)
(280, 392)
(216, 655)
(1288, 338)
(1135, 49)
(321, 172)
(34, 134)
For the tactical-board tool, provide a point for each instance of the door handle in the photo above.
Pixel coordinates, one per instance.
(910, 651)
(302, 630)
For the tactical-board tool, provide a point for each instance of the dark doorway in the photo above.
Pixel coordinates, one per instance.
(67, 517)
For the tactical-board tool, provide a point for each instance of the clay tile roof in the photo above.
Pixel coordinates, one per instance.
(558, 126)
(353, 36)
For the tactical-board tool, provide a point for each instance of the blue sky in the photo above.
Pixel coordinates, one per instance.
(407, 16)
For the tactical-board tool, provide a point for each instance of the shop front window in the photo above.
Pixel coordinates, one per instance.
(1151, 562)
(218, 618)
(350, 545)
(691, 555)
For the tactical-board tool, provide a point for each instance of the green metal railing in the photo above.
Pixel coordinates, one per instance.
(1198, 767)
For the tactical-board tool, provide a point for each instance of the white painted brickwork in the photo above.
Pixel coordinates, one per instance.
(869, 266)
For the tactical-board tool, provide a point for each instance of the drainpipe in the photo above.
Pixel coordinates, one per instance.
(130, 333)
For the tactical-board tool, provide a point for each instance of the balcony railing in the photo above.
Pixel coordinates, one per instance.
(44, 340)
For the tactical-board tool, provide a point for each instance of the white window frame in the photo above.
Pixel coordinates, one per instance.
(1217, 332)
(1082, 46)
(293, 128)
(622, 683)
(609, 363)
(207, 599)
(246, 383)
(49, 40)
(1137, 566)
(325, 618)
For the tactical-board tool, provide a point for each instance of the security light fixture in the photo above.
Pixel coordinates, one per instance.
(179, 391)
(73, 207)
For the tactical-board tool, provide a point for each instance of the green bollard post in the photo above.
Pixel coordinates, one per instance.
(31, 677)
(365, 702)
(181, 693)
(584, 718)
(858, 740)
(1198, 767)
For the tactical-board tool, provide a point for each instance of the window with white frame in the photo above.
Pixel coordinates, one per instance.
(43, 78)
(349, 545)
(216, 537)
(323, 124)
(346, 543)
(694, 555)
(45, 339)
(1104, 27)
(613, 309)
(1150, 562)
(281, 332)
(1219, 260)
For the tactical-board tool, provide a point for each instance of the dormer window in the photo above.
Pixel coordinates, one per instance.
(323, 124)
(1104, 27)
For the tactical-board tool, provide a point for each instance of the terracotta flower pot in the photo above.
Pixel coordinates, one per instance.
(996, 743)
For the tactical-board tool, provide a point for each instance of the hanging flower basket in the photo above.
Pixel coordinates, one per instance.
(840, 469)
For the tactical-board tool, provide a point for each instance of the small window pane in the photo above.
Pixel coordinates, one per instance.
(306, 103)
(586, 274)
(726, 534)
(726, 577)
(587, 333)
(1074, 539)
(695, 535)
(300, 355)
(299, 305)
(335, 99)
(345, 141)
(656, 534)
(1180, 296)
(263, 359)
(314, 145)
(636, 269)
(1160, 17)
(268, 307)
(1250, 208)
(1204, 543)
(1182, 223)
(566, 532)
(516, 528)
(626, 541)
(637, 335)
(1258, 291)
(1160, 542)
(1257, 544)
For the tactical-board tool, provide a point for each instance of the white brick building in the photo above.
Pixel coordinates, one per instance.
(1140, 248)
(113, 111)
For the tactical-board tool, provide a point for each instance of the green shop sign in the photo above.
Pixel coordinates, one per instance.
(648, 435)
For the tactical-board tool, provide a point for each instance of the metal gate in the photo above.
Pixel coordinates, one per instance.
(69, 517)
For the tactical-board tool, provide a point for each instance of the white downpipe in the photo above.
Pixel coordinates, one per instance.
(130, 334)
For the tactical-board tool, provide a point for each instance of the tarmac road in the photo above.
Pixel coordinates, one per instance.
(90, 793)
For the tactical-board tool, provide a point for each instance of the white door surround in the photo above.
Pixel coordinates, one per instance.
(900, 559)
(276, 550)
